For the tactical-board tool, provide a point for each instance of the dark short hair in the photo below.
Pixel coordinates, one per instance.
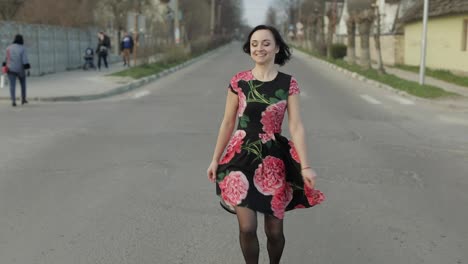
(284, 53)
(18, 39)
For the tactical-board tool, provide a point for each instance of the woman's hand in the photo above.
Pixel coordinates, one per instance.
(309, 175)
(211, 172)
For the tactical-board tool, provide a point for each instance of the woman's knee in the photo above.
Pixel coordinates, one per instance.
(274, 234)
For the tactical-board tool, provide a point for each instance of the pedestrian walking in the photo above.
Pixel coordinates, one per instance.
(261, 170)
(15, 65)
(103, 49)
(126, 48)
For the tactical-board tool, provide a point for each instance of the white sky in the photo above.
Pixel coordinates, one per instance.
(255, 11)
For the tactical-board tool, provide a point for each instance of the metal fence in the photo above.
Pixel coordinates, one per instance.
(50, 48)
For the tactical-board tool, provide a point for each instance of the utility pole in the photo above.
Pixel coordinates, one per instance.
(422, 67)
(212, 24)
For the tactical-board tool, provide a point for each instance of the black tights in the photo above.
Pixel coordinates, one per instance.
(248, 236)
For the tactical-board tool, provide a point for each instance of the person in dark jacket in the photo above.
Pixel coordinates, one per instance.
(15, 65)
(102, 49)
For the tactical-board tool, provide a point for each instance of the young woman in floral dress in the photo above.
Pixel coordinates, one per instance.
(262, 171)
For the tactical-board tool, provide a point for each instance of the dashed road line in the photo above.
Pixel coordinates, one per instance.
(141, 94)
(401, 100)
(370, 99)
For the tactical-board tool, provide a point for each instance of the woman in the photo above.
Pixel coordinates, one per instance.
(262, 171)
(102, 49)
(15, 65)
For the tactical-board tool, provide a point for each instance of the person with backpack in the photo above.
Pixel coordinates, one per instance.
(126, 48)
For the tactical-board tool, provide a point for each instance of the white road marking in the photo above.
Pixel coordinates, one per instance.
(141, 94)
(369, 99)
(453, 120)
(401, 100)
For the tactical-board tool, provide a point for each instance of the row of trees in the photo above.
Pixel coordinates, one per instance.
(312, 13)
(82, 13)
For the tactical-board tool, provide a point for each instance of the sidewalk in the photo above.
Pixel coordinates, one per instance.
(74, 83)
(428, 80)
(459, 103)
(81, 85)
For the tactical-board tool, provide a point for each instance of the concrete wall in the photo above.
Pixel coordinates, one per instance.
(49, 48)
(392, 48)
(444, 43)
(52, 48)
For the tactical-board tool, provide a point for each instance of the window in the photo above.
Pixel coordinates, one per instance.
(465, 35)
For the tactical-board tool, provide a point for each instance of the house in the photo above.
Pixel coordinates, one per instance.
(392, 37)
(447, 36)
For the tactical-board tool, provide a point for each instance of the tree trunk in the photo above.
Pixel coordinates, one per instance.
(364, 25)
(380, 67)
(351, 29)
(322, 49)
(330, 34)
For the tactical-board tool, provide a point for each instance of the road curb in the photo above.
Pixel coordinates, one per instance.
(463, 105)
(133, 85)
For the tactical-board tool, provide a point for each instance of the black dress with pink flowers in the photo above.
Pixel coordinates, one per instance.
(261, 169)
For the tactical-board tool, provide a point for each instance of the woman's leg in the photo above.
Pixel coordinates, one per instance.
(12, 79)
(23, 89)
(99, 61)
(105, 60)
(275, 238)
(248, 234)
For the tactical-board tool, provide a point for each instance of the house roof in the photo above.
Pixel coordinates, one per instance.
(436, 8)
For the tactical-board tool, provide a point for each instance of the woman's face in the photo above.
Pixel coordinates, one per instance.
(263, 47)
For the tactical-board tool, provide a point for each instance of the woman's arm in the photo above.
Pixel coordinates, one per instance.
(25, 60)
(227, 125)
(297, 131)
(224, 134)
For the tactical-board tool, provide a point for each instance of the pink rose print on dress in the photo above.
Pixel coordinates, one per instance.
(270, 175)
(234, 146)
(244, 76)
(293, 87)
(242, 103)
(280, 200)
(272, 118)
(314, 196)
(293, 152)
(234, 188)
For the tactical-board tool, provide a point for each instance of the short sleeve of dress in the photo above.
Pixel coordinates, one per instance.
(293, 87)
(233, 86)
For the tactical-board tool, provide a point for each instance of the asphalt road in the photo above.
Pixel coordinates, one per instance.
(123, 180)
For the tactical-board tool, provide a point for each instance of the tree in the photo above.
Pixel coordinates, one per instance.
(351, 30)
(62, 13)
(380, 67)
(196, 16)
(364, 19)
(271, 16)
(8, 9)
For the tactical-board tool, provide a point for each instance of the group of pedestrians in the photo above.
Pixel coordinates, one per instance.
(16, 64)
(104, 46)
